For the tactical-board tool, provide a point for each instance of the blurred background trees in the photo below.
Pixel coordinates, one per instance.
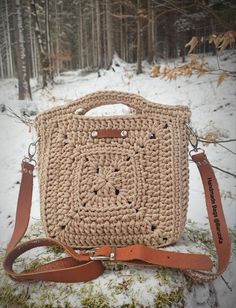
(42, 38)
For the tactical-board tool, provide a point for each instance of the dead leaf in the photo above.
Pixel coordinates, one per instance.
(155, 72)
(192, 43)
(221, 78)
(227, 40)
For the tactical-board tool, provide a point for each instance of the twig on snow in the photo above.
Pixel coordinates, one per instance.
(22, 118)
(222, 170)
(226, 283)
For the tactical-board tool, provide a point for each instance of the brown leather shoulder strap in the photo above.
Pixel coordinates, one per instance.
(23, 206)
(216, 218)
(83, 266)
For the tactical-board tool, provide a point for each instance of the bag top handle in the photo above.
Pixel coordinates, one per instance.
(142, 106)
(88, 102)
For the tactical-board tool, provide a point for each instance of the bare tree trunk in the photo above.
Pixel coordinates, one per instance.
(171, 36)
(58, 66)
(104, 37)
(5, 45)
(213, 31)
(150, 32)
(126, 44)
(86, 44)
(154, 37)
(48, 41)
(139, 45)
(81, 39)
(183, 47)
(99, 36)
(10, 66)
(44, 61)
(33, 53)
(94, 47)
(1, 65)
(23, 77)
(32, 49)
(26, 32)
(121, 34)
(109, 31)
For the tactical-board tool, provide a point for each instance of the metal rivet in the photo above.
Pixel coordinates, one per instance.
(152, 136)
(94, 133)
(124, 133)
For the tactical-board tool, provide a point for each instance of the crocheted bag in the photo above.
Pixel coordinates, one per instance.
(117, 181)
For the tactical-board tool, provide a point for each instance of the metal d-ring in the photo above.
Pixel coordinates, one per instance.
(31, 150)
(31, 153)
(194, 143)
(196, 150)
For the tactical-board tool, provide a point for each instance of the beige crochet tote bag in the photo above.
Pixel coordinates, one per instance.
(118, 185)
(114, 180)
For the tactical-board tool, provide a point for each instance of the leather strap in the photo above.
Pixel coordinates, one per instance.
(216, 218)
(84, 266)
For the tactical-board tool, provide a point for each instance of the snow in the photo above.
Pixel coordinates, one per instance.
(213, 111)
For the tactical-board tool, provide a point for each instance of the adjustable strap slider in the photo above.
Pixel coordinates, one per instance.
(110, 257)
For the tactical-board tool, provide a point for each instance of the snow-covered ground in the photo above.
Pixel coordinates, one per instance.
(213, 113)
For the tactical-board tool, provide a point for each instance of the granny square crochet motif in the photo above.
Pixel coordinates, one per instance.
(115, 191)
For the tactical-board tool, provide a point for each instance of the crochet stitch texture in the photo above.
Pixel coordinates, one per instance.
(114, 191)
